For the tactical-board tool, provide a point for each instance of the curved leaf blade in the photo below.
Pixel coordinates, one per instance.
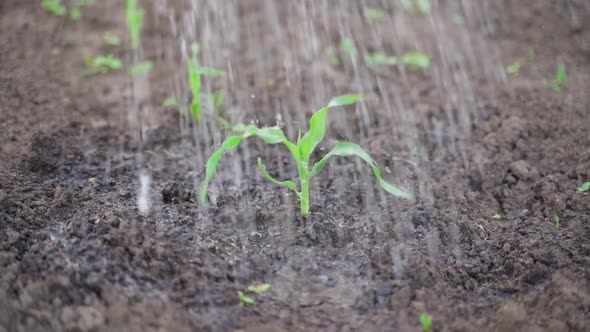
(209, 71)
(317, 125)
(346, 149)
(288, 184)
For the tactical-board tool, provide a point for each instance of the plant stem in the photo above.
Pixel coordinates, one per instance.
(304, 196)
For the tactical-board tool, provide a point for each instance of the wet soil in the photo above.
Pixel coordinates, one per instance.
(76, 254)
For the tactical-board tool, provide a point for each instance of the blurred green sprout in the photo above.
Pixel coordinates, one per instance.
(101, 64)
(111, 39)
(374, 14)
(426, 321)
(141, 68)
(134, 18)
(584, 187)
(254, 290)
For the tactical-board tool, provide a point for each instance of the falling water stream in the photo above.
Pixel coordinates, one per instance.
(275, 54)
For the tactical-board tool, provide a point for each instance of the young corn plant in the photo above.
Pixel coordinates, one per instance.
(426, 321)
(101, 64)
(134, 18)
(256, 290)
(54, 6)
(301, 152)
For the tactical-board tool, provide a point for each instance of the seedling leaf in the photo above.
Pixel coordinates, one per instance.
(140, 68)
(416, 60)
(347, 45)
(346, 149)
(288, 184)
(210, 71)
(584, 187)
(559, 78)
(134, 17)
(514, 68)
(374, 14)
(426, 321)
(171, 102)
(423, 6)
(378, 59)
(54, 6)
(111, 39)
(497, 216)
(259, 289)
(557, 222)
(244, 299)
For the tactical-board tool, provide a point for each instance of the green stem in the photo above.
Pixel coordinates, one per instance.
(304, 196)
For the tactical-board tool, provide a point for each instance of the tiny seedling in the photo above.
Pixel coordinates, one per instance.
(141, 68)
(584, 187)
(514, 68)
(255, 290)
(557, 222)
(301, 153)
(426, 321)
(194, 72)
(497, 216)
(347, 46)
(374, 14)
(423, 6)
(559, 78)
(134, 18)
(171, 102)
(76, 11)
(416, 60)
(54, 6)
(101, 64)
(111, 40)
(380, 59)
(332, 57)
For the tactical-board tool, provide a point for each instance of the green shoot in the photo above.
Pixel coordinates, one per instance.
(514, 68)
(347, 45)
(141, 68)
(259, 289)
(134, 18)
(426, 321)
(378, 59)
(584, 187)
(423, 6)
(416, 60)
(171, 102)
(559, 78)
(111, 40)
(374, 14)
(301, 152)
(332, 57)
(557, 222)
(194, 73)
(497, 216)
(245, 299)
(101, 64)
(458, 19)
(76, 11)
(54, 6)
(414, 152)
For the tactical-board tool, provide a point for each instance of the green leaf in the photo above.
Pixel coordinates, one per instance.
(346, 149)
(378, 59)
(75, 14)
(218, 98)
(513, 69)
(347, 45)
(497, 216)
(111, 39)
(559, 78)
(259, 289)
(317, 126)
(210, 71)
(288, 184)
(557, 222)
(140, 68)
(170, 102)
(54, 6)
(424, 6)
(195, 83)
(271, 135)
(134, 17)
(244, 299)
(584, 187)
(426, 321)
(416, 60)
(374, 14)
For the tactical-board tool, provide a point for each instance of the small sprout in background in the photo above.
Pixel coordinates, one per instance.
(256, 290)
(347, 45)
(423, 6)
(497, 216)
(373, 15)
(141, 68)
(557, 222)
(458, 19)
(134, 18)
(559, 78)
(111, 40)
(76, 11)
(101, 64)
(416, 60)
(54, 6)
(301, 151)
(414, 152)
(380, 59)
(426, 321)
(532, 54)
(513, 69)
(245, 299)
(332, 57)
(259, 289)
(584, 187)
(171, 102)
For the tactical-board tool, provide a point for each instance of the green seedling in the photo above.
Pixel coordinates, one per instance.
(216, 100)
(584, 187)
(423, 6)
(171, 102)
(301, 153)
(194, 72)
(374, 14)
(559, 78)
(380, 59)
(134, 18)
(557, 222)
(497, 216)
(426, 321)
(514, 68)
(141, 68)
(256, 290)
(347, 46)
(111, 40)
(332, 57)
(414, 152)
(54, 6)
(416, 60)
(76, 11)
(101, 64)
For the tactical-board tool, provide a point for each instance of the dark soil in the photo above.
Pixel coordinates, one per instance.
(76, 255)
